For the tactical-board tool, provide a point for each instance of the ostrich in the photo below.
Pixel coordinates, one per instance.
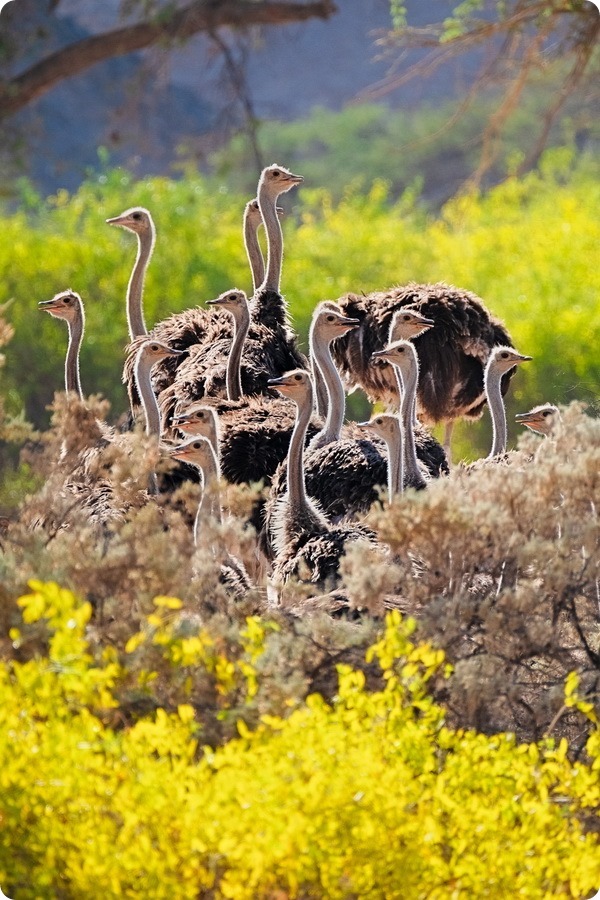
(403, 356)
(68, 306)
(252, 222)
(306, 545)
(199, 452)
(139, 221)
(502, 360)
(452, 356)
(270, 347)
(389, 429)
(541, 419)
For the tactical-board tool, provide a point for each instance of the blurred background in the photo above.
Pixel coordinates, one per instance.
(438, 141)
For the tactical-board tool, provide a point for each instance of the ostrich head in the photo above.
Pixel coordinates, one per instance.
(401, 354)
(296, 385)
(408, 323)
(385, 426)
(329, 322)
(153, 351)
(502, 359)
(197, 420)
(253, 215)
(196, 450)
(136, 219)
(277, 180)
(541, 419)
(66, 305)
(234, 301)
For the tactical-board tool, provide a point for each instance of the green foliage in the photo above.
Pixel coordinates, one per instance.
(371, 795)
(525, 247)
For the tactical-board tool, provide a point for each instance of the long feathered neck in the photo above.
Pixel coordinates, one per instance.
(493, 393)
(233, 378)
(395, 462)
(268, 210)
(135, 288)
(209, 485)
(298, 503)
(143, 366)
(253, 251)
(409, 379)
(72, 376)
(336, 398)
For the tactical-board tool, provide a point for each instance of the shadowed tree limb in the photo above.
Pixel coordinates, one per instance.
(198, 16)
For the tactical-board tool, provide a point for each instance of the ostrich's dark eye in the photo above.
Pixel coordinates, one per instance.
(504, 355)
(276, 173)
(546, 413)
(331, 318)
(298, 377)
(137, 216)
(155, 348)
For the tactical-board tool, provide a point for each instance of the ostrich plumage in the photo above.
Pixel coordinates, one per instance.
(306, 545)
(344, 469)
(452, 355)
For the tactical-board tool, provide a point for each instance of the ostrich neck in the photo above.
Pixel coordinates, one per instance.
(498, 413)
(253, 252)
(395, 463)
(336, 398)
(144, 386)
(268, 209)
(135, 288)
(72, 377)
(408, 381)
(295, 464)
(209, 484)
(233, 378)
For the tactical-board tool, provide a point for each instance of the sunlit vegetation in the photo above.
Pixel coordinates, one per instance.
(371, 794)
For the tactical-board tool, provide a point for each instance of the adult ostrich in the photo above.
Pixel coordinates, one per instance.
(452, 355)
(271, 345)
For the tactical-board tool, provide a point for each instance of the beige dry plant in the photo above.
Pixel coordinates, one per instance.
(498, 564)
(509, 578)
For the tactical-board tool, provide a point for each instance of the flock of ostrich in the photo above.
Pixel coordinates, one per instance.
(226, 392)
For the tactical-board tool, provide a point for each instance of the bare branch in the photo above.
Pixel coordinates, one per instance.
(198, 16)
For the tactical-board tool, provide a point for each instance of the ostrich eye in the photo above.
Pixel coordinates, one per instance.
(155, 348)
(331, 318)
(504, 355)
(137, 216)
(298, 377)
(276, 173)
(547, 413)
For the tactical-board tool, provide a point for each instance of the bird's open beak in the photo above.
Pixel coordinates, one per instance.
(295, 179)
(47, 305)
(379, 356)
(348, 324)
(428, 323)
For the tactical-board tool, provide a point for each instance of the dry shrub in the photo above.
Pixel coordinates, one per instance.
(498, 564)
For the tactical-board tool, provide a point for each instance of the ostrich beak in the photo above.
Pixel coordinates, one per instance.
(47, 305)
(363, 424)
(428, 323)
(379, 356)
(295, 179)
(117, 220)
(348, 324)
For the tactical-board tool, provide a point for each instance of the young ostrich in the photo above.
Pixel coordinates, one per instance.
(199, 452)
(542, 419)
(306, 546)
(389, 429)
(452, 355)
(252, 222)
(68, 305)
(271, 345)
(403, 357)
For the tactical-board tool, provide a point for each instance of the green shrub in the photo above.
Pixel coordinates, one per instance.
(372, 795)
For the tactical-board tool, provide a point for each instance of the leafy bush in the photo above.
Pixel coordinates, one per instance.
(372, 795)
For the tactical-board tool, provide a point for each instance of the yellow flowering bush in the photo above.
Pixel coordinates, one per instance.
(370, 796)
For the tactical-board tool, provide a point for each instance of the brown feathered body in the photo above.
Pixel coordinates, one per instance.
(452, 355)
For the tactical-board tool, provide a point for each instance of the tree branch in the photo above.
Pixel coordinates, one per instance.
(200, 15)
